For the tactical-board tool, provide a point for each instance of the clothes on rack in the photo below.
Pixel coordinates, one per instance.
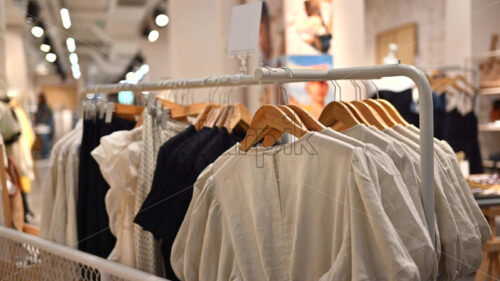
(460, 130)
(280, 220)
(59, 209)
(119, 157)
(180, 161)
(94, 235)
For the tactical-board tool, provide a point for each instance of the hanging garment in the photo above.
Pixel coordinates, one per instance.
(461, 132)
(50, 185)
(447, 227)
(446, 153)
(119, 156)
(147, 251)
(94, 235)
(61, 208)
(20, 151)
(280, 220)
(164, 209)
(469, 237)
(471, 243)
(424, 258)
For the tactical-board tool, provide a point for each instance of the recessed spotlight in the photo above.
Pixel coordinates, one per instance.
(66, 21)
(51, 57)
(73, 58)
(37, 31)
(45, 48)
(153, 35)
(70, 43)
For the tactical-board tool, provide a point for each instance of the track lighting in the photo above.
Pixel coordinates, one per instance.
(66, 21)
(38, 29)
(51, 57)
(161, 18)
(70, 44)
(153, 35)
(46, 45)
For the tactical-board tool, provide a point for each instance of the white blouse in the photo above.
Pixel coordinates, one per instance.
(118, 157)
(309, 210)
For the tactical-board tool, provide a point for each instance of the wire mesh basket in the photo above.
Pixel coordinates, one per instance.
(26, 257)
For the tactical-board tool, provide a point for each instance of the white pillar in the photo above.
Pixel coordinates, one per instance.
(3, 73)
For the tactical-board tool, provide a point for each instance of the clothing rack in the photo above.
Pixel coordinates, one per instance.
(472, 69)
(267, 75)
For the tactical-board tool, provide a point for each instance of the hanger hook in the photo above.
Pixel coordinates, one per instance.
(334, 90)
(376, 88)
(355, 90)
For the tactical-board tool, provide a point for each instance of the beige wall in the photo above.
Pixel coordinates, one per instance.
(383, 15)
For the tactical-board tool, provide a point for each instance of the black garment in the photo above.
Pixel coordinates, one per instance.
(403, 103)
(164, 161)
(460, 131)
(175, 194)
(94, 235)
(175, 172)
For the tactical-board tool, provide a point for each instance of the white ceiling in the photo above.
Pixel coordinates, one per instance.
(107, 32)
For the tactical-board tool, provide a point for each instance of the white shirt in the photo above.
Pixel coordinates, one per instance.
(309, 211)
(60, 212)
(71, 170)
(446, 201)
(470, 234)
(118, 157)
(482, 223)
(50, 186)
(408, 222)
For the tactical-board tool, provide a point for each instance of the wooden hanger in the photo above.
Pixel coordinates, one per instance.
(381, 111)
(290, 113)
(370, 115)
(129, 112)
(309, 121)
(269, 120)
(355, 112)
(239, 119)
(337, 112)
(202, 117)
(396, 116)
(221, 120)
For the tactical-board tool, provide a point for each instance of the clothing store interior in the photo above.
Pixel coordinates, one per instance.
(249, 140)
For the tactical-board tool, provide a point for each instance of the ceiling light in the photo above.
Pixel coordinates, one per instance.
(153, 35)
(161, 18)
(66, 21)
(129, 76)
(75, 68)
(45, 48)
(51, 57)
(77, 74)
(73, 58)
(70, 43)
(37, 31)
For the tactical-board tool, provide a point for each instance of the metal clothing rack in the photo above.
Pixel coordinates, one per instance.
(472, 69)
(267, 75)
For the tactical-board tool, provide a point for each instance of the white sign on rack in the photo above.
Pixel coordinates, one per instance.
(244, 31)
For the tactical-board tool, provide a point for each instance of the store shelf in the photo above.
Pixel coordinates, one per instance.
(490, 91)
(489, 127)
